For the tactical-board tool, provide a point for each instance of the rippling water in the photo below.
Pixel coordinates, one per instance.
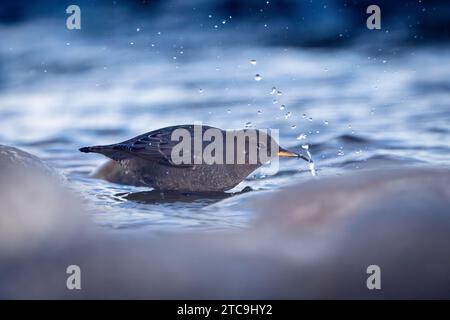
(355, 107)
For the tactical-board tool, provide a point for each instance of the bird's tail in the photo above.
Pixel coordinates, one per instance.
(115, 151)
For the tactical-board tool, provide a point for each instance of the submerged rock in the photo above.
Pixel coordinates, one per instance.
(113, 172)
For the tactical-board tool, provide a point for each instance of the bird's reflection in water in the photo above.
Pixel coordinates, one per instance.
(166, 197)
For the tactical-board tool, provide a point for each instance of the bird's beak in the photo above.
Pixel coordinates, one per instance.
(286, 153)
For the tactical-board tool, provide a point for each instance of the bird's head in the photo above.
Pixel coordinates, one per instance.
(266, 146)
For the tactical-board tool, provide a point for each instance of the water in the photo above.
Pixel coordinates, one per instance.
(62, 92)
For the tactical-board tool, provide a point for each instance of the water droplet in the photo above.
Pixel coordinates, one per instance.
(293, 126)
(282, 107)
(301, 136)
(138, 29)
(310, 119)
(68, 44)
(229, 111)
(340, 153)
(258, 77)
(304, 115)
(305, 146)
(259, 112)
(224, 21)
(132, 43)
(279, 93)
(253, 61)
(274, 90)
(248, 124)
(325, 122)
(200, 90)
(384, 61)
(312, 168)
(274, 101)
(288, 115)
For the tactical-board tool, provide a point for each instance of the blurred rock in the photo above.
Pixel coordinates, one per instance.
(35, 206)
(312, 240)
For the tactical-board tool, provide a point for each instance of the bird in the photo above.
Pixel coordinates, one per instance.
(158, 160)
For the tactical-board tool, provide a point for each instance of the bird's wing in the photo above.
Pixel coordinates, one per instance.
(157, 145)
(154, 146)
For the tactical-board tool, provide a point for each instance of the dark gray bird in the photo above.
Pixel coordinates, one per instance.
(153, 158)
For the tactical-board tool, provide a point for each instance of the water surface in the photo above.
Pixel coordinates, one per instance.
(356, 107)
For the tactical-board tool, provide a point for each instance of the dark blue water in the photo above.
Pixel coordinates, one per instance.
(356, 106)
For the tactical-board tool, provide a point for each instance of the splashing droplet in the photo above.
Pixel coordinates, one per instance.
(301, 136)
(312, 168)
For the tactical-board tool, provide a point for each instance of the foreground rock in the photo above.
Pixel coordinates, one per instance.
(312, 240)
(35, 206)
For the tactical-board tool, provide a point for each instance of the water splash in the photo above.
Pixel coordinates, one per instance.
(312, 168)
(311, 165)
